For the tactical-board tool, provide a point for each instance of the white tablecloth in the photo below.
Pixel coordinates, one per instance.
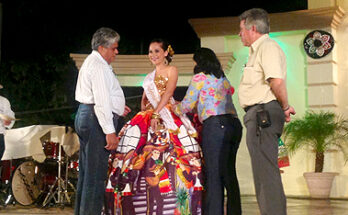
(27, 141)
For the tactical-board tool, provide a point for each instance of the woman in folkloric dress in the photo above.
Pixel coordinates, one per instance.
(155, 141)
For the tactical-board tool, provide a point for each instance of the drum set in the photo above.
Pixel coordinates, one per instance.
(27, 181)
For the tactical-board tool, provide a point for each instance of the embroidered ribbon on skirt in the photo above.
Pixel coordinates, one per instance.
(154, 98)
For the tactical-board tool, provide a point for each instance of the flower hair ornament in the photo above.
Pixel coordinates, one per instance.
(318, 44)
(170, 50)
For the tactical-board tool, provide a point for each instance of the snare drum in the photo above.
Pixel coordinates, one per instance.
(51, 150)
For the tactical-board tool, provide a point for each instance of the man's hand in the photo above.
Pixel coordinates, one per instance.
(6, 122)
(127, 110)
(278, 87)
(290, 111)
(111, 141)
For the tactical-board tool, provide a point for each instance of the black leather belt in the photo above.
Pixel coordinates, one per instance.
(248, 107)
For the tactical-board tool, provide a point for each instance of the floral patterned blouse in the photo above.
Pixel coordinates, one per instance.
(212, 97)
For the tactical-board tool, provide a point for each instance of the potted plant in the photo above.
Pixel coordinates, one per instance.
(321, 132)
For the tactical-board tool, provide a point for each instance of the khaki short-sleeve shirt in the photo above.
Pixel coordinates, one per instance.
(266, 60)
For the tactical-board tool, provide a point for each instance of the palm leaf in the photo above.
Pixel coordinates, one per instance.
(321, 131)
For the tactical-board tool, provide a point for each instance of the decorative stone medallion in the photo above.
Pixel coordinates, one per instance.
(318, 44)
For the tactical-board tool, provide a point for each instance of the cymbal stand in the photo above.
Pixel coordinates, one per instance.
(59, 190)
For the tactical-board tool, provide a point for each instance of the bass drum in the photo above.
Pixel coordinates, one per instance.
(26, 183)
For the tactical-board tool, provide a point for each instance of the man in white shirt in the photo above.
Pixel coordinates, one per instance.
(5, 122)
(102, 102)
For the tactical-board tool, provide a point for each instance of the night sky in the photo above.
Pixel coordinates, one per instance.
(34, 28)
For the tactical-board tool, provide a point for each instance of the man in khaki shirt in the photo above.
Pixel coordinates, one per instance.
(263, 88)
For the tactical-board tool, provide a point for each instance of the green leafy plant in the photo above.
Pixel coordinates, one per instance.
(321, 131)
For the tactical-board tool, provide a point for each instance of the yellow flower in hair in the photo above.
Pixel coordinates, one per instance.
(170, 50)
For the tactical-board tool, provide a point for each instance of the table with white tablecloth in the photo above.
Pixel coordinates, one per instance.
(28, 141)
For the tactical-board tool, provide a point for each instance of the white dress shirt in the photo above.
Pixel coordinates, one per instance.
(5, 108)
(97, 84)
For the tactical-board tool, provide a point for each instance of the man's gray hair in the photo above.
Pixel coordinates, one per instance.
(258, 17)
(104, 37)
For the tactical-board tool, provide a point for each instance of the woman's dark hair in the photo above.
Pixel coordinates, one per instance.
(208, 63)
(166, 47)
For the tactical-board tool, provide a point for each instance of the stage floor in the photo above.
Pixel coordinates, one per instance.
(296, 206)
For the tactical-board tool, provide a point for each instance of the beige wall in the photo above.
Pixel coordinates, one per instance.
(340, 186)
(343, 4)
(313, 4)
(342, 58)
(215, 43)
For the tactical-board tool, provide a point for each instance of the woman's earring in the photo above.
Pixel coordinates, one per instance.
(165, 61)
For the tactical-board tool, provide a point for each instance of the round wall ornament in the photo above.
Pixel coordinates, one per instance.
(318, 44)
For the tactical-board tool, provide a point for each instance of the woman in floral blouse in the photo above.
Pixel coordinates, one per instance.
(211, 92)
